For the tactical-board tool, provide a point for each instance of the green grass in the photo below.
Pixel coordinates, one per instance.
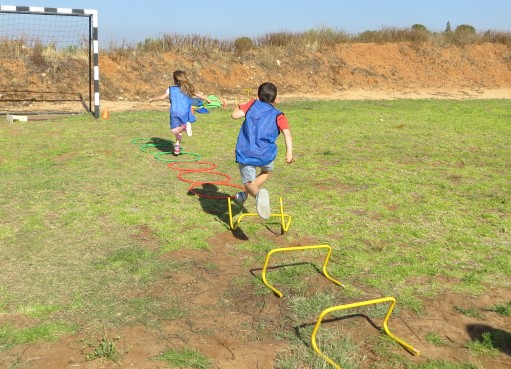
(472, 312)
(413, 196)
(185, 358)
(342, 350)
(105, 348)
(11, 336)
(435, 339)
(443, 364)
(501, 309)
(484, 346)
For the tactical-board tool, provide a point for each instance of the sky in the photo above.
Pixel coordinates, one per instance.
(133, 21)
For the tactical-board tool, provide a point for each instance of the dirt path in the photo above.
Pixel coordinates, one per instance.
(355, 94)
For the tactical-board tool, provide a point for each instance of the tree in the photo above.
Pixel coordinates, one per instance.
(448, 27)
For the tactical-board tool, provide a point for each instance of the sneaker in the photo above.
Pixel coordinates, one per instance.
(240, 198)
(189, 129)
(263, 203)
(177, 149)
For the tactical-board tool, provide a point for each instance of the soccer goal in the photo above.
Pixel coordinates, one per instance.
(49, 60)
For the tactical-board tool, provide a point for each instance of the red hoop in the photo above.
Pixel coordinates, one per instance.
(175, 166)
(183, 172)
(193, 185)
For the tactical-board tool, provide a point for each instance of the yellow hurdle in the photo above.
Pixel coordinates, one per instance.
(285, 219)
(298, 248)
(325, 312)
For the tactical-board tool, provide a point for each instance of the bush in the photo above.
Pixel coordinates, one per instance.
(419, 28)
(497, 37)
(386, 34)
(465, 28)
(463, 35)
(243, 44)
(278, 39)
(149, 45)
(419, 33)
(36, 57)
(324, 36)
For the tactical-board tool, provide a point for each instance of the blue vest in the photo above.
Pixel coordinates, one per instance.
(256, 141)
(180, 108)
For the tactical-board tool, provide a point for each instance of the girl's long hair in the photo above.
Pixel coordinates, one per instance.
(181, 80)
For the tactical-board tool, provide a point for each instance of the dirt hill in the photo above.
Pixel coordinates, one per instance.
(349, 70)
(344, 71)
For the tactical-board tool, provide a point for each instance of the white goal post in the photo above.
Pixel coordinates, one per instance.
(53, 34)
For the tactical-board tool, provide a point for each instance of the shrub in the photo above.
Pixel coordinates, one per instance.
(150, 45)
(36, 57)
(278, 39)
(324, 36)
(419, 28)
(419, 33)
(367, 36)
(466, 29)
(497, 37)
(386, 34)
(464, 34)
(243, 44)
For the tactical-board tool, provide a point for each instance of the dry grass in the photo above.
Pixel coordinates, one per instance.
(292, 42)
(323, 37)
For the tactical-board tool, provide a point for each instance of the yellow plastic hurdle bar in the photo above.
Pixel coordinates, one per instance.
(298, 248)
(285, 219)
(325, 312)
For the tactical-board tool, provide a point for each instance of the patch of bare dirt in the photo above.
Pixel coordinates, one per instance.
(235, 326)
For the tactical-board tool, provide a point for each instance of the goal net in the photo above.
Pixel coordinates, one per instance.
(49, 60)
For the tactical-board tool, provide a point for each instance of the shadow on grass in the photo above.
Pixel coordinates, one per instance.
(494, 337)
(214, 202)
(253, 270)
(307, 339)
(149, 145)
(161, 144)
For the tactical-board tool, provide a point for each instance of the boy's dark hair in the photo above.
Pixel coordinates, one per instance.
(267, 92)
